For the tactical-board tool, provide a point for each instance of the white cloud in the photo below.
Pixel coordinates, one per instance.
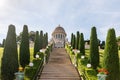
(104, 29)
(74, 15)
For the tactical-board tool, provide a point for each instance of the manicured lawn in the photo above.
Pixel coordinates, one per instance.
(1, 51)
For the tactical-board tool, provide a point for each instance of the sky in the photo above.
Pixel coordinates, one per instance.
(72, 15)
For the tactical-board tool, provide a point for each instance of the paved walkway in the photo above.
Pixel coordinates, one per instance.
(59, 67)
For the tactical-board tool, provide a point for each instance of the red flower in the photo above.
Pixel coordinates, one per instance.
(103, 71)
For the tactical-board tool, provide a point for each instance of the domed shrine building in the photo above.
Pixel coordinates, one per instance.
(59, 37)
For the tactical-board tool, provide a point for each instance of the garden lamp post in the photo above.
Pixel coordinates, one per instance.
(89, 65)
(31, 64)
(37, 56)
(19, 75)
(43, 51)
(82, 57)
(75, 60)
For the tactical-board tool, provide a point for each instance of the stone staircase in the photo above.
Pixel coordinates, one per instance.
(59, 67)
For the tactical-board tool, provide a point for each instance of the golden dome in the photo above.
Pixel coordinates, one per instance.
(59, 29)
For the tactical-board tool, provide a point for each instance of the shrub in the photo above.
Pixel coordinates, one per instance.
(30, 72)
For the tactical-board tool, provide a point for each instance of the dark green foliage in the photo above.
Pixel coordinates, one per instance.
(41, 39)
(37, 43)
(71, 39)
(31, 36)
(74, 42)
(110, 58)
(90, 72)
(3, 43)
(30, 72)
(9, 64)
(77, 40)
(24, 48)
(45, 40)
(19, 37)
(44, 44)
(94, 51)
(102, 45)
(82, 44)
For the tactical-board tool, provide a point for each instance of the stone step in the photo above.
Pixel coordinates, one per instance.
(59, 67)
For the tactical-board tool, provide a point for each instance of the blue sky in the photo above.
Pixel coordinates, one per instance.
(72, 15)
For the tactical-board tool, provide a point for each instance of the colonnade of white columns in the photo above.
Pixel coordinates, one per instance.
(59, 36)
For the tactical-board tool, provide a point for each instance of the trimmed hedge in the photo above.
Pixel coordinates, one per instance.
(85, 73)
(30, 72)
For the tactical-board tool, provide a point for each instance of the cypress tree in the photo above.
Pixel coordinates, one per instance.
(77, 40)
(37, 43)
(24, 54)
(74, 41)
(71, 40)
(9, 62)
(3, 43)
(110, 57)
(46, 39)
(82, 44)
(94, 51)
(41, 39)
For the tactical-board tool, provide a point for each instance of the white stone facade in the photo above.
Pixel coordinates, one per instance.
(58, 37)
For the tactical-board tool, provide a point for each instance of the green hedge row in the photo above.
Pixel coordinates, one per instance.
(30, 73)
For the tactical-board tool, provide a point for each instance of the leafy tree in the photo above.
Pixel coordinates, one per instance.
(37, 43)
(9, 62)
(24, 48)
(31, 36)
(94, 51)
(82, 44)
(41, 39)
(110, 57)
